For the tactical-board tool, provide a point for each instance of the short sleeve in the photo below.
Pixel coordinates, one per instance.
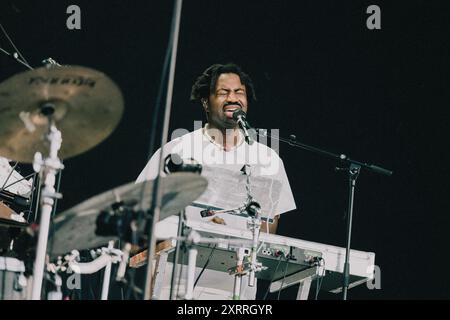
(287, 201)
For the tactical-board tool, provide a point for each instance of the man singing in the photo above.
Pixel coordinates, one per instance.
(234, 167)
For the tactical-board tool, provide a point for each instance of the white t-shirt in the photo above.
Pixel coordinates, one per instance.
(226, 189)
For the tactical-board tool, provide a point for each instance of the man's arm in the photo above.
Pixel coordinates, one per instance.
(272, 226)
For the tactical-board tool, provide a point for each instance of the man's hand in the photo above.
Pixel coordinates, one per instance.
(218, 220)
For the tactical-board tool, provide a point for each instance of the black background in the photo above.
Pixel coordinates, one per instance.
(380, 96)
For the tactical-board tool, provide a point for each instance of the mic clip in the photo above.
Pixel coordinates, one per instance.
(240, 117)
(174, 163)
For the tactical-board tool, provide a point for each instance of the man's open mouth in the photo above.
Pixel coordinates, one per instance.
(228, 110)
(232, 108)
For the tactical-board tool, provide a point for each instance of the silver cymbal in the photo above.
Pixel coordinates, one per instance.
(75, 228)
(85, 105)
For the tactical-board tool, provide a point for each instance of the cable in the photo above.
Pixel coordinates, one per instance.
(34, 189)
(16, 59)
(284, 277)
(267, 232)
(12, 44)
(320, 280)
(38, 197)
(206, 264)
(273, 277)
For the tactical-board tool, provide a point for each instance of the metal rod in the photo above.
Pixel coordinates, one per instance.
(157, 190)
(353, 174)
(48, 166)
(107, 275)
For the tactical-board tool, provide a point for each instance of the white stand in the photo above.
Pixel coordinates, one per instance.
(160, 270)
(191, 240)
(254, 226)
(239, 272)
(107, 275)
(48, 168)
(57, 293)
(303, 278)
(191, 273)
(108, 256)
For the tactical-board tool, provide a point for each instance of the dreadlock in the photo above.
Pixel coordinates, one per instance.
(206, 82)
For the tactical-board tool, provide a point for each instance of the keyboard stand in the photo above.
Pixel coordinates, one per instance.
(304, 278)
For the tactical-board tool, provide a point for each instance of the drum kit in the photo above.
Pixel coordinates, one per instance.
(47, 115)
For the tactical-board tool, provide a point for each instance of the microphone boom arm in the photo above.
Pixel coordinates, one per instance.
(340, 157)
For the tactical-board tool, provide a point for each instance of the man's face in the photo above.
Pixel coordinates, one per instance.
(230, 94)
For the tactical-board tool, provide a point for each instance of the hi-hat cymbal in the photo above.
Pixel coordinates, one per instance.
(75, 228)
(85, 105)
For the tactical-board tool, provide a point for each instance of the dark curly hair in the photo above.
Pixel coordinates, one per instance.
(206, 82)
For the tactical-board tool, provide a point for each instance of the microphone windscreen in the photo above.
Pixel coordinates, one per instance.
(237, 113)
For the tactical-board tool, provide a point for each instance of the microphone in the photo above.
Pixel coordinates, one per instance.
(240, 117)
(174, 163)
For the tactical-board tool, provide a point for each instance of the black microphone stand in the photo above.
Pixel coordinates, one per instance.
(353, 169)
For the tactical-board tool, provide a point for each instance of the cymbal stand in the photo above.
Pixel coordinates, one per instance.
(47, 168)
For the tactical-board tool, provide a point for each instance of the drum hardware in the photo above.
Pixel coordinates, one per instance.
(56, 280)
(84, 104)
(102, 258)
(16, 190)
(14, 199)
(180, 189)
(39, 108)
(47, 167)
(174, 163)
(113, 215)
(106, 256)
